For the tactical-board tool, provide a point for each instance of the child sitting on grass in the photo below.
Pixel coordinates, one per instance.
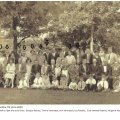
(90, 83)
(81, 84)
(38, 82)
(102, 85)
(73, 85)
(55, 83)
(24, 82)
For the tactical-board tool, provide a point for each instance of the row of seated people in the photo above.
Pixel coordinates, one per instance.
(67, 64)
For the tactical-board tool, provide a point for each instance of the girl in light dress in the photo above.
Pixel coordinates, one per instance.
(10, 74)
(38, 82)
(81, 84)
(55, 83)
(24, 82)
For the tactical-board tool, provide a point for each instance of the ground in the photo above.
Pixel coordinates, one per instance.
(15, 96)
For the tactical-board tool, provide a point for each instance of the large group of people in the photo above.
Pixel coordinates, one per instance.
(61, 68)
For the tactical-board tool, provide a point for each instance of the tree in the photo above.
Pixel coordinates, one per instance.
(24, 19)
(97, 20)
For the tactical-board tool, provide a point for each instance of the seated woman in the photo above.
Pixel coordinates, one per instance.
(73, 85)
(23, 83)
(102, 85)
(38, 82)
(10, 73)
(81, 84)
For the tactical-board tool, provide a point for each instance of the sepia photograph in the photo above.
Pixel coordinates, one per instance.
(59, 52)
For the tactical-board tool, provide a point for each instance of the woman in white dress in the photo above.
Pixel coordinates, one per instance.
(10, 73)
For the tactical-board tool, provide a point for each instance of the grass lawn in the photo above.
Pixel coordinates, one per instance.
(34, 96)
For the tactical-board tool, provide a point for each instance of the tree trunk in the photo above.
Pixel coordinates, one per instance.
(15, 21)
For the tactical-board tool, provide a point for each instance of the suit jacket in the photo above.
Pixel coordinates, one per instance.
(82, 70)
(56, 56)
(51, 70)
(36, 69)
(95, 69)
(50, 56)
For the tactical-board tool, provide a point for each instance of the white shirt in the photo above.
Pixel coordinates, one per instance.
(81, 85)
(65, 72)
(10, 68)
(70, 59)
(55, 83)
(91, 81)
(103, 84)
(28, 68)
(73, 85)
(57, 71)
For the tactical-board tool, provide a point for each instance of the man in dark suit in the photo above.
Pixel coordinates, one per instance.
(51, 70)
(51, 54)
(84, 69)
(95, 70)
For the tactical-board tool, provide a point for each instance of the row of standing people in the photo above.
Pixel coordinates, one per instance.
(66, 66)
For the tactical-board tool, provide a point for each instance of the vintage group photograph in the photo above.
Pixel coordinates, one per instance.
(59, 52)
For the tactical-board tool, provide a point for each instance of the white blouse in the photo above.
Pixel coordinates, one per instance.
(10, 68)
